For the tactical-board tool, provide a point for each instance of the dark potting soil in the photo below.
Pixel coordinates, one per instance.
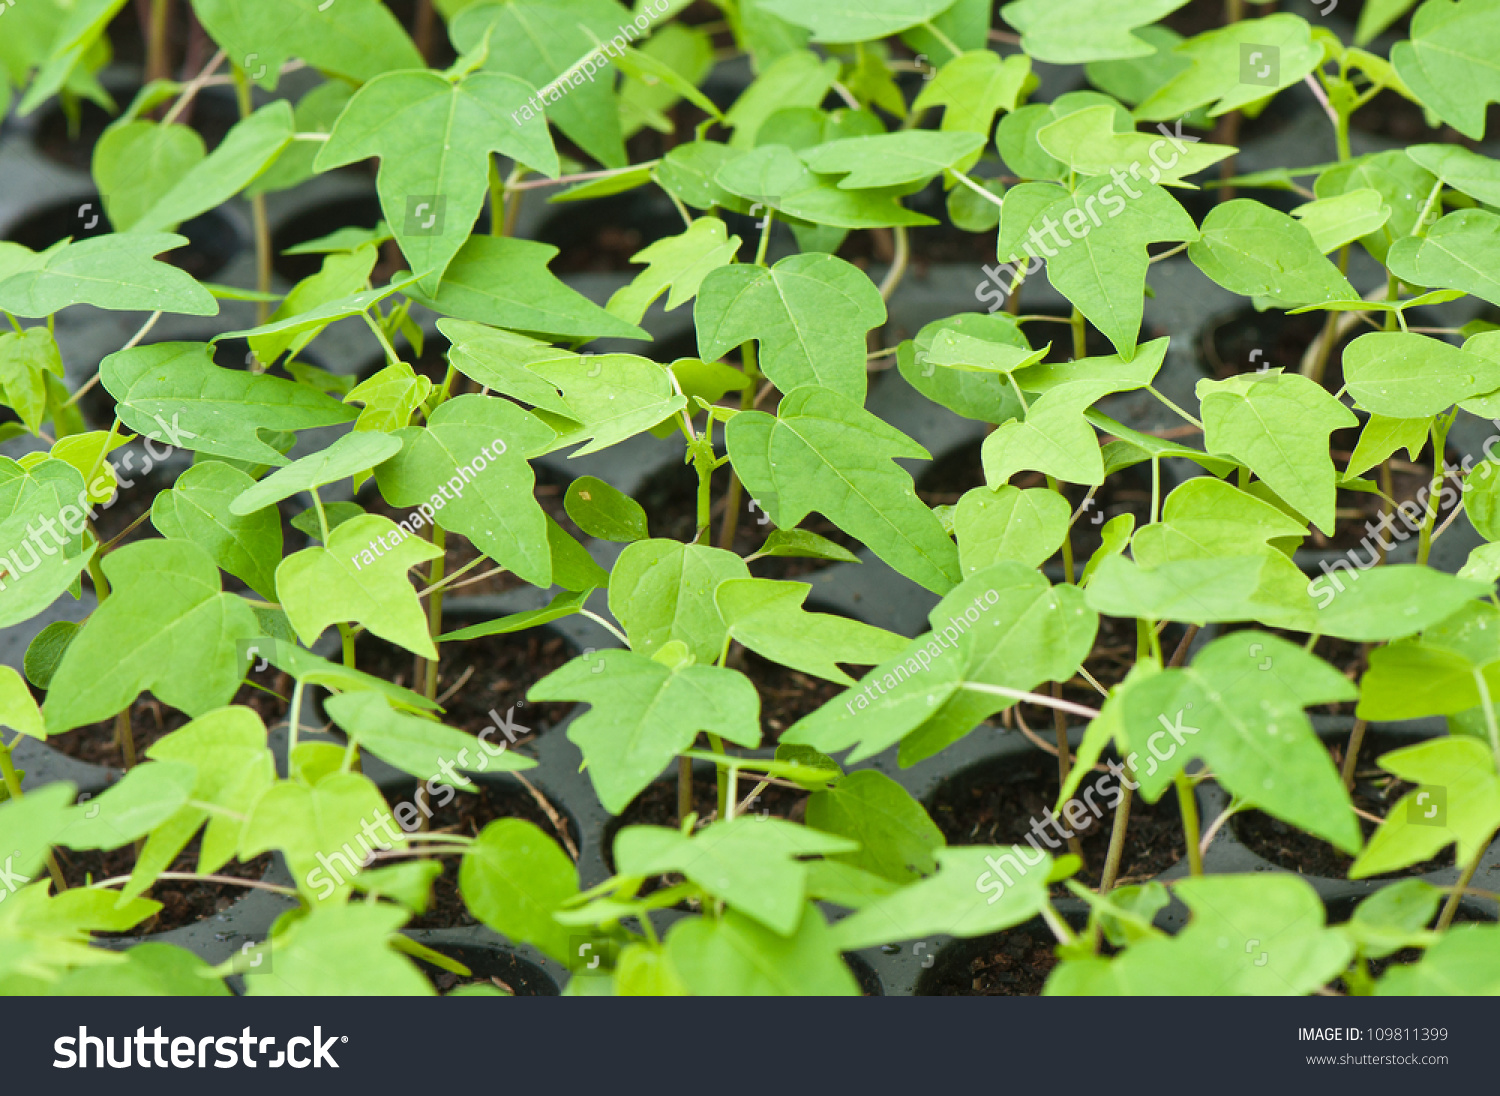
(468, 813)
(151, 720)
(600, 235)
(495, 672)
(212, 239)
(1393, 116)
(786, 695)
(1375, 792)
(670, 499)
(183, 901)
(1014, 963)
(994, 803)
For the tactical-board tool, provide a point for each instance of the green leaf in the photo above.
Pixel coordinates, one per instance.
(336, 514)
(219, 412)
(1005, 626)
(50, 490)
(544, 43)
(342, 275)
(31, 824)
(1055, 437)
(135, 163)
(897, 840)
(603, 511)
(1448, 62)
(613, 396)
(774, 177)
(734, 956)
(1381, 437)
(767, 617)
(199, 508)
(893, 159)
(797, 79)
(1401, 184)
(1201, 591)
(1114, 536)
(987, 397)
(468, 466)
(810, 313)
(1009, 523)
(800, 544)
(1016, 135)
(513, 878)
(1376, 15)
(1278, 51)
(1343, 218)
(850, 21)
(114, 272)
(434, 141)
(1088, 143)
(1464, 963)
(823, 451)
(339, 951)
(247, 151)
(1250, 935)
(1459, 252)
(316, 112)
(359, 577)
(1413, 376)
(1238, 708)
(662, 591)
(505, 282)
(1393, 918)
(1069, 32)
(358, 40)
(166, 628)
(975, 86)
(25, 359)
(1101, 269)
(149, 970)
(1477, 176)
(644, 713)
(351, 455)
(424, 748)
(144, 798)
(501, 360)
(227, 750)
(1457, 798)
(1256, 251)
(18, 709)
(752, 864)
(679, 263)
(1278, 426)
(563, 605)
(953, 901)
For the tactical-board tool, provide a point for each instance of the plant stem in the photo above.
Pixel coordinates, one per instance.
(1031, 698)
(1065, 764)
(765, 237)
(721, 772)
(158, 64)
(258, 216)
(898, 265)
(346, 635)
(1450, 908)
(1188, 805)
(497, 199)
(1439, 442)
(293, 722)
(1117, 836)
(13, 786)
(435, 608)
(1080, 335)
(1179, 412)
(1351, 752)
(125, 738)
(422, 28)
(684, 789)
(1487, 702)
(1067, 544)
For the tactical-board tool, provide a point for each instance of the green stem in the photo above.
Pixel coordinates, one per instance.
(1067, 544)
(765, 237)
(1489, 716)
(722, 773)
(391, 357)
(1080, 335)
(346, 634)
(1450, 908)
(125, 738)
(899, 264)
(684, 789)
(497, 200)
(158, 66)
(1179, 412)
(1188, 805)
(435, 608)
(258, 217)
(1117, 836)
(293, 722)
(322, 515)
